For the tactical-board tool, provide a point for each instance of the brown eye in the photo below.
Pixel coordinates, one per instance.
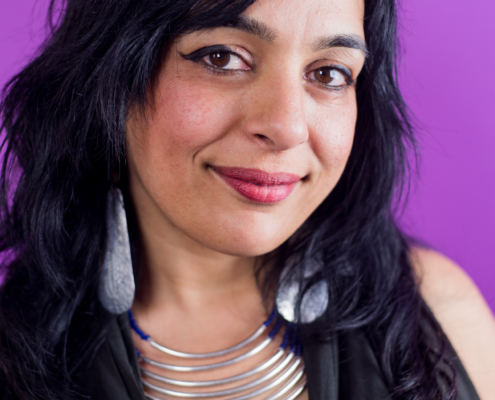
(323, 75)
(329, 77)
(222, 60)
(219, 59)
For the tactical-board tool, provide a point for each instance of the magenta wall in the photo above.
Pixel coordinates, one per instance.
(448, 77)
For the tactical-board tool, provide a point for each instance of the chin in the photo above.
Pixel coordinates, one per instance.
(244, 242)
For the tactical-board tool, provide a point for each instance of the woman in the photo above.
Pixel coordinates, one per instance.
(256, 147)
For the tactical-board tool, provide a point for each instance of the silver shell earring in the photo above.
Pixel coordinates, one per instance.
(117, 287)
(314, 302)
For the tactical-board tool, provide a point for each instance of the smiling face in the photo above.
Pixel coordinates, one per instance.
(248, 128)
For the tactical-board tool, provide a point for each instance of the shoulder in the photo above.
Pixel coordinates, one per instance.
(441, 281)
(462, 312)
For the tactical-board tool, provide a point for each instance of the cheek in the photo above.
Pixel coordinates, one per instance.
(187, 117)
(334, 134)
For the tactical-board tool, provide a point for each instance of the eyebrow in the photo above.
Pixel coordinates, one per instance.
(254, 27)
(349, 41)
(267, 34)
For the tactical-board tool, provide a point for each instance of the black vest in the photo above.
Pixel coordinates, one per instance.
(343, 369)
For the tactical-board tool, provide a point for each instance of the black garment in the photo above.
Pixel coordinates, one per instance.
(346, 370)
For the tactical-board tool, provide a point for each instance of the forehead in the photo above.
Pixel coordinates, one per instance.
(306, 20)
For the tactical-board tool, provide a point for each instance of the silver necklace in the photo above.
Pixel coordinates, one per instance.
(282, 373)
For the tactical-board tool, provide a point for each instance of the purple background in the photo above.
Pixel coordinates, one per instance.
(448, 79)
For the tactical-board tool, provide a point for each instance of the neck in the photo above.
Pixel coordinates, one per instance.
(185, 284)
(183, 277)
(193, 278)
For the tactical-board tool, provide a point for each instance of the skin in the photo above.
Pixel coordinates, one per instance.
(463, 314)
(200, 237)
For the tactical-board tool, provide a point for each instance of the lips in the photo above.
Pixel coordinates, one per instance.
(259, 186)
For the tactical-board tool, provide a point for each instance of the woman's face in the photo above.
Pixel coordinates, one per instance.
(249, 128)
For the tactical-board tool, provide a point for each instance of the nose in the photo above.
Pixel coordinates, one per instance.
(276, 116)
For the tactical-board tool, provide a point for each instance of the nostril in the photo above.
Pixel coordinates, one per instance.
(264, 139)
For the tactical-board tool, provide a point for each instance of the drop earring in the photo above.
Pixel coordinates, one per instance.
(117, 287)
(314, 302)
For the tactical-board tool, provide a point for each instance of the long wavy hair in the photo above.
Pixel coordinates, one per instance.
(64, 118)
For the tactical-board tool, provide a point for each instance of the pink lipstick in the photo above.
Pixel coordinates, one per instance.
(257, 185)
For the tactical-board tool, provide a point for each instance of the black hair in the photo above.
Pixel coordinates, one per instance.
(64, 119)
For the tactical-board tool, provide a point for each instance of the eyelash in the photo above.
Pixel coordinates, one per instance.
(200, 54)
(342, 70)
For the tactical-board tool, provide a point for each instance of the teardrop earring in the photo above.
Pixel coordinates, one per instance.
(313, 303)
(117, 287)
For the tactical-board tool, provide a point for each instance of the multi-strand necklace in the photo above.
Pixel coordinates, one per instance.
(278, 377)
